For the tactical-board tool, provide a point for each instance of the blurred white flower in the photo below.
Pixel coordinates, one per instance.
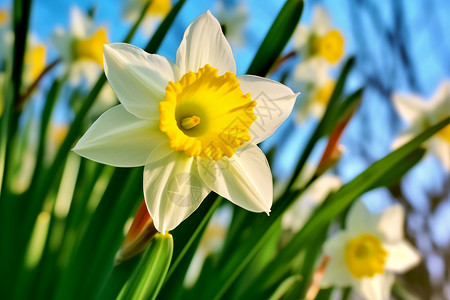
(319, 39)
(194, 125)
(156, 12)
(233, 19)
(420, 114)
(310, 199)
(82, 47)
(311, 77)
(369, 252)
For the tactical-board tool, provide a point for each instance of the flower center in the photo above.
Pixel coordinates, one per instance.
(330, 46)
(34, 62)
(365, 256)
(91, 48)
(324, 93)
(444, 133)
(206, 115)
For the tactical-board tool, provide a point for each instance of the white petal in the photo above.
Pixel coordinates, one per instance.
(120, 139)
(401, 257)
(440, 103)
(159, 152)
(301, 37)
(274, 104)
(390, 223)
(62, 42)
(375, 288)
(139, 79)
(360, 220)
(312, 72)
(245, 179)
(173, 190)
(336, 272)
(411, 108)
(321, 23)
(204, 43)
(79, 22)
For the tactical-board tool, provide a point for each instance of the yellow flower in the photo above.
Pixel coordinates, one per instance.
(194, 125)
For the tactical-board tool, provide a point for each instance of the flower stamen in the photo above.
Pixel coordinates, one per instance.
(190, 122)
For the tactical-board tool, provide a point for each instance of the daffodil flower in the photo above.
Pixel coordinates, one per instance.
(320, 39)
(369, 252)
(82, 47)
(420, 114)
(193, 124)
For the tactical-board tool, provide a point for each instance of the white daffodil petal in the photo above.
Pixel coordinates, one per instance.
(440, 103)
(139, 79)
(401, 257)
(321, 23)
(390, 223)
(410, 107)
(360, 220)
(204, 43)
(336, 272)
(62, 42)
(375, 288)
(120, 139)
(79, 22)
(159, 152)
(245, 179)
(274, 104)
(173, 190)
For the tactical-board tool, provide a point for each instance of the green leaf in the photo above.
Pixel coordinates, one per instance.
(276, 39)
(149, 276)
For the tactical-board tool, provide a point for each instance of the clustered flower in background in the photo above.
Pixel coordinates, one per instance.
(193, 128)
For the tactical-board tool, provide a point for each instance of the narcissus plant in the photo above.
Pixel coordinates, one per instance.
(193, 124)
(369, 252)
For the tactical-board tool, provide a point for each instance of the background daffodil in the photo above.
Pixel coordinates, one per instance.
(368, 253)
(194, 125)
